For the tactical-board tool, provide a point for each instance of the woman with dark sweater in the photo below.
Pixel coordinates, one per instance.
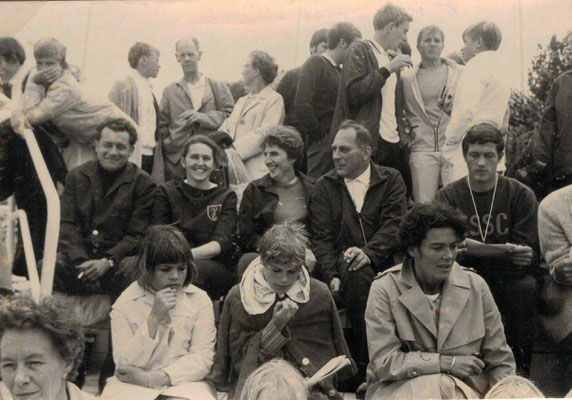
(279, 196)
(204, 212)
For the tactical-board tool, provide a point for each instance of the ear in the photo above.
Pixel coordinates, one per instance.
(480, 43)
(367, 151)
(183, 163)
(200, 55)
(412, 251)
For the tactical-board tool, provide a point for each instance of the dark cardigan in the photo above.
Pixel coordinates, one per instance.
(315, 334)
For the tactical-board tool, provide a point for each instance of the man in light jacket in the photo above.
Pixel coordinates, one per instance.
(191, 106)
(134, 95)
(423, 88)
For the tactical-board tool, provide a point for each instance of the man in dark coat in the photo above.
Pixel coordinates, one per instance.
(553, 142)
(317, 94)
(355, 213)
(106, 209)
(367, 92)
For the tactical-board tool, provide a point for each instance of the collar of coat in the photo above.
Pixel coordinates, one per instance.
(267, 183)
(378, 174)
(454, 296)
(206, 96)
(90, 169)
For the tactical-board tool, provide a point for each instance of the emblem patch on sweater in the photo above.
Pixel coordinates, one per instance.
(213, 211)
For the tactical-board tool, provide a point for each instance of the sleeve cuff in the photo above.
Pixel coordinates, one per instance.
(422, 363)
(384, 72)
(272, 339)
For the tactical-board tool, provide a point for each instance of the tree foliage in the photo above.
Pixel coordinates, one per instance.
(526, 113)
(546, 66)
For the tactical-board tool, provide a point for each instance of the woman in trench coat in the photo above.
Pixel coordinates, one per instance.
(433, 328)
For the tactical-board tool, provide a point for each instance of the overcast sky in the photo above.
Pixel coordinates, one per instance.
(98, 34)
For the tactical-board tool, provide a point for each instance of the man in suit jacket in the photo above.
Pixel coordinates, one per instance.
(134, 95)
(106, 209)
(193, 105)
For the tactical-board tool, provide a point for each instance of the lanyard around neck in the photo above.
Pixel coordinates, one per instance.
(483, 235)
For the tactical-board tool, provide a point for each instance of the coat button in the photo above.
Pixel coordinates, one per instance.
(414, 373)
(242, 122)
(305, 361)
(332, 393)
(95, 232)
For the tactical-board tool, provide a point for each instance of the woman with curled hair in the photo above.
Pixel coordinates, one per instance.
(280, 195)
(41, 347)
(276, 379)
(162, 326)
(261, 108)
(433, 328)
(278, 311)
(204, 212)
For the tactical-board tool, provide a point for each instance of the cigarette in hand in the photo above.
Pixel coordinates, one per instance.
(80, 275)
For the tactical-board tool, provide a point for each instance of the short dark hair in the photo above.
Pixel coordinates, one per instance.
(428, 30)
(342, 30)
(139, 50)
(390, 13)
(285, 137)
(118, 125)
(481, 134)
(265, 64)
(418, 221)
(319, 37)
(12, 50)
(488, 31)
(164, 244)
(54, 316)
(218, 154)
(363, 137)
(284, 243)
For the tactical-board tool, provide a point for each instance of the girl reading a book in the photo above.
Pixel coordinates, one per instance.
(277, 310)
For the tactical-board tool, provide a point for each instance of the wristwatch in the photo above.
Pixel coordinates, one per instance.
(110, 262)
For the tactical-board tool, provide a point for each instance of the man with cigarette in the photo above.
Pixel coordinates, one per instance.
(355, 213)
(367, 92)
(426, 90)
(106, 209)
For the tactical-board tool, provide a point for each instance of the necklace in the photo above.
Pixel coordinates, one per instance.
(483, 236)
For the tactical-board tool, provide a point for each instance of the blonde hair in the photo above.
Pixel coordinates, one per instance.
(514, 387)
(275, 379)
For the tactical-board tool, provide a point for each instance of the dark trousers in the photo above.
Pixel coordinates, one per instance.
(18, 177)
(113, 282)
(214, 278)
(516, 299)
(319, 156)
(353, 296)
(147, 163)
(392, 155)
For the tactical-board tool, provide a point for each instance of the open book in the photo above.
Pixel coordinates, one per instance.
(330, 368)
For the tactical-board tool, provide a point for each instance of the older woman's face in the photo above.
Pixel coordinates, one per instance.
(281, 277)
(248, 74)
(436, 255)
(32, 369)
(278, 162)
